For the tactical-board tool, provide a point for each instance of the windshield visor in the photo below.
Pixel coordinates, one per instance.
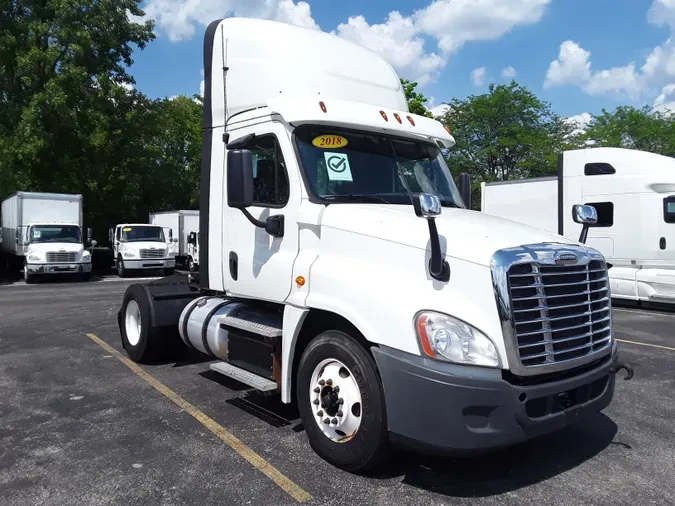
(137, 234)
(357, 166)
(55, 233)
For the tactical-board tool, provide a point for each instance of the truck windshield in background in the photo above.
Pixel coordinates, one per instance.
(354, 166)
(137, 234)
(55, 233)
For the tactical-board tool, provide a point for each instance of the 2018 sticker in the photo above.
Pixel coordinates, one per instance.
(330, 141)
(337, 165)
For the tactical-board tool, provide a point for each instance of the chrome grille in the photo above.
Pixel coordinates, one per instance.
(61, 256)
(153, 253)
(559, 313)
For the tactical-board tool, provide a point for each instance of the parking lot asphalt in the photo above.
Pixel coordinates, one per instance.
(80, 426)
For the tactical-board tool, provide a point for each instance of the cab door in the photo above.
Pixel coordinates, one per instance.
(257, 264)
(666, 230)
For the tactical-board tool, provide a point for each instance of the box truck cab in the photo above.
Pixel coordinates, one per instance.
(341, 269)
(193, 251)
(142, 247)
(633, 193)
(42, 234)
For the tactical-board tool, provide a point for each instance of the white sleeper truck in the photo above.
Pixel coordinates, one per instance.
(142, 247)
(181, 224)
(42, 234)
(340, 268)
(633, 193)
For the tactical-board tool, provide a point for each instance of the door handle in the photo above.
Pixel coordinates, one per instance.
(233, 265)
(662, 243)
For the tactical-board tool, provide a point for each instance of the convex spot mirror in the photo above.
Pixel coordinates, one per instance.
(585, 215)
(426, 205)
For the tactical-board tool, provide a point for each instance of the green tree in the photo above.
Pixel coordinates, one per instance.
(632, 128)
(64, 100)
(507, 133)
(415, 99)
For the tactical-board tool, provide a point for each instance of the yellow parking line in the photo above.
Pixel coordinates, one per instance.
(646, 344)
(226, 436)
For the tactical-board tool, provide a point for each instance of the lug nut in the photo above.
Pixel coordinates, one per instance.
(326, 421)
(336, 390)
(317, 390)
(329, 382)
(320, 413)
(334, 421)
(316, 401)
(322, 382)
(339, 413)
(341, 401)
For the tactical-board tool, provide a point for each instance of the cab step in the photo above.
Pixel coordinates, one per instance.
(249, 326)
(243, 376)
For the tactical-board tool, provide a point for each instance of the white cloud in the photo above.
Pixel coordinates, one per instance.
(177, 19)
(580, 122)
(437, 110)
(509, 72)
(665, 102)
(478, 76)
(573, 66)
(401, 39)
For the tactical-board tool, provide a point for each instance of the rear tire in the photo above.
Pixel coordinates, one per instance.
(356, 437)
(141, 342)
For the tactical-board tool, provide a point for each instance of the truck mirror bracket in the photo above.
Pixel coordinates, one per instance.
(274, 225)
(439, 269)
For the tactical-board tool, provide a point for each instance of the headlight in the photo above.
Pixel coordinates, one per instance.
(86, 257)
(34, 258)
(128, 254)
(446, 338)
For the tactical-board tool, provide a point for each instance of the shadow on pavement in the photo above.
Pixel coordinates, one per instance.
(509, 469)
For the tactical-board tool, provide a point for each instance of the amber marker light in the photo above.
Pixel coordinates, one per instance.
(424, 337)
(300, 281)
(323, 107)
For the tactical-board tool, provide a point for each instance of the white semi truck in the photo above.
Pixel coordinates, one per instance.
(42, 234)
(633, 193)
(142, 247)
(181, 224)
(340, 268)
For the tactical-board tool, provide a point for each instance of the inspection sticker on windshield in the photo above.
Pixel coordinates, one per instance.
(36, 234)
(330, 141)
(337, 165)
(127, 229)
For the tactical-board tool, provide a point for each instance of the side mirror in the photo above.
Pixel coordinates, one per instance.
(89, 233)
(465, 189)
(426, 205)
(239, 178)
(111, 234)
(586, 216)
(429, 206)
(94, 243)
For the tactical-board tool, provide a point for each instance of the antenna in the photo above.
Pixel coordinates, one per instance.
(225, 69)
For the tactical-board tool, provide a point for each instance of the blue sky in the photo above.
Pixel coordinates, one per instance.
(579, 55)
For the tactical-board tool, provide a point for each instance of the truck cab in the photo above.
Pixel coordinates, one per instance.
(193, 251)
(143, 247)
(341, 269)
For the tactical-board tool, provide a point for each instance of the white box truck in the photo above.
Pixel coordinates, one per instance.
(181, 224)
(193, 251)
(42, 234)
(633, 193)
(142, 247)
(340, 268)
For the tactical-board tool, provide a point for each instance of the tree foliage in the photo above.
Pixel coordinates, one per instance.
(416, 101)
(628, 127)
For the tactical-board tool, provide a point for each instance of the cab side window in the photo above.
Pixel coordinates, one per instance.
(270, 178)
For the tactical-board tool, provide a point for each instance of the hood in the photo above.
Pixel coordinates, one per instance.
(66, 247)
(137, 245)
(468, 235)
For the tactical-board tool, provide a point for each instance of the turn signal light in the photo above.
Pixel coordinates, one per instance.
(447, 129)
(384, 115)
(412, 121)
(323, 107)
(398, 118)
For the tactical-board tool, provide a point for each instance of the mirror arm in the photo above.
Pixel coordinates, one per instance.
(274, 225)
(438, 266)
(584, 233)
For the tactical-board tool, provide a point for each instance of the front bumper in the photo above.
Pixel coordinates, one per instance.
(73, 268)
(439, 407)
(150, 263)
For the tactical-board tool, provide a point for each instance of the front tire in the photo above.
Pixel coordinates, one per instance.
(347, 425)
(121, 270)
(191, 264)
(27, 276)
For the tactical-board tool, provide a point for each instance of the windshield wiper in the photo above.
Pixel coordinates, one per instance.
(450, 203)
(355, 197)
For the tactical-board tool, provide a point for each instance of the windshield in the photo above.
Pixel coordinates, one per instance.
(136, 234)
(55, 233)
(354, 166)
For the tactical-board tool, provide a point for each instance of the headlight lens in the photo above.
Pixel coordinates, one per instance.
(128, 254)
(34, 258)
(86, 257)
(446, 338)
